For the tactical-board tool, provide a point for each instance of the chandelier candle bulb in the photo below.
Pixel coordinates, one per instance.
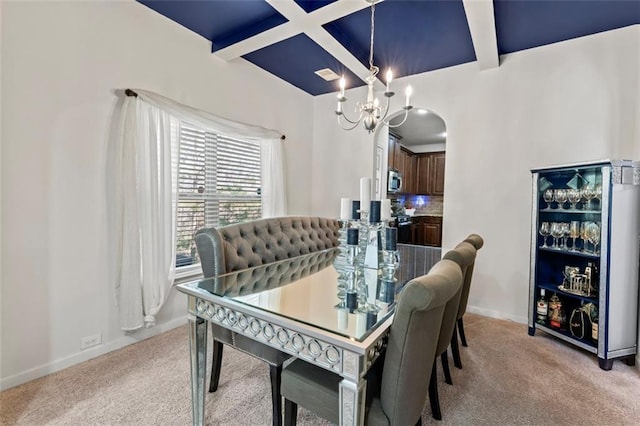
(408, 92)
(389, 79)
(342, 84)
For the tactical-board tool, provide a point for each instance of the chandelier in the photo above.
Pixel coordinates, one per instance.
(369, 112)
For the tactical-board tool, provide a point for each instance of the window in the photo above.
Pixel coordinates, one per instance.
(218, 184)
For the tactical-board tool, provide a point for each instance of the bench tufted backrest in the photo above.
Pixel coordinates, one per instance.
(244, 245)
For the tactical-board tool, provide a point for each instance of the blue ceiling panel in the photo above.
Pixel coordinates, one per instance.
(285, 60)
(223, 22)
(311, 5)
(410, 36)
(525, 24)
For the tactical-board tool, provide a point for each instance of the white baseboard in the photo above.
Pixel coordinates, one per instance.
(87, 354)
(496, 314)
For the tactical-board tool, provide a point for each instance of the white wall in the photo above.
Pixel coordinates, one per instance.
(568, 102)
(61, 62)
(340, 158)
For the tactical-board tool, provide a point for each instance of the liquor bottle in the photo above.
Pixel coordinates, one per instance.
(542, 308)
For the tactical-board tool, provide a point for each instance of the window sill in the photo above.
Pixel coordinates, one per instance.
(187, 273)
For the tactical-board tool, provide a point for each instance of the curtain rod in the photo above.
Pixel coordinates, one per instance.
(130, 92)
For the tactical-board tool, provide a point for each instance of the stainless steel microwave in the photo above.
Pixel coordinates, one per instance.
(394, 182)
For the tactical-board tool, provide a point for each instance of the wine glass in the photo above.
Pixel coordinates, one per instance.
(565, 235)
(573, 195)
(574, 233)
(593, 234)
(584, 236)
(597, 190)
(557, 231)
(560, 196)
(545, 231)
(588, 192)
(547, 196)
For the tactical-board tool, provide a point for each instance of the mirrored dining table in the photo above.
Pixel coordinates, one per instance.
(297, 307)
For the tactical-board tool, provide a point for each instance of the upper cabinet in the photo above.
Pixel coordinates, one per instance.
(422, 174)
(430, 173)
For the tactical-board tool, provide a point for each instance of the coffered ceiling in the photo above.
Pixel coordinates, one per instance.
(292, 39)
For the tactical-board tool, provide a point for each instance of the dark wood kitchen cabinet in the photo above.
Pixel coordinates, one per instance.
(430, 173)
(408, 172)
(427, 230)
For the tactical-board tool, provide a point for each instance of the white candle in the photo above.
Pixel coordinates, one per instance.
(385, 209)
(342, 84)
(408, 92)
(345, 208)
(343, 319)
(389, 78)
(365, 194)
(361, 323)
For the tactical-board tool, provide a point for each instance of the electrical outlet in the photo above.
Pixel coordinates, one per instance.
(89, 341)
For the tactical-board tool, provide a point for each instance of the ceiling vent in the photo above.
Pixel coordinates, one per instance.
(327, 74)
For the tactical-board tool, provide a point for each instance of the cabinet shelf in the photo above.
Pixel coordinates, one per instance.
(570, 252)
(570, 211)
(554, 288)
(585, 343)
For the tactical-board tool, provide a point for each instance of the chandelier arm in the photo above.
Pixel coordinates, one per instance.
(347, 128)
(393, 126)
(386, 109)
(350, 121)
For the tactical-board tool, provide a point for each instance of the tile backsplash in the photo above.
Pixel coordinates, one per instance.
(424, 204)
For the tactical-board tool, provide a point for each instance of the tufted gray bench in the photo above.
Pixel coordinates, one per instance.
(245, 245)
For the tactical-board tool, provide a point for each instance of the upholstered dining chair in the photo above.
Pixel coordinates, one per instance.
(244, 245)
(477, 242)
(463, 255)
(408, 358)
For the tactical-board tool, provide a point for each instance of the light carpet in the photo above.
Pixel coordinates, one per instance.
(509, 378)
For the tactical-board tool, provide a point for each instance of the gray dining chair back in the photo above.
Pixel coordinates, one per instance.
(413, 340)
(408, 358)
(463, 255)
(477, 242)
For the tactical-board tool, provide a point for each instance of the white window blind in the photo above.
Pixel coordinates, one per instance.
(218, 184)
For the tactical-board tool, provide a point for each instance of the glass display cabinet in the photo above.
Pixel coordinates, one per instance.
(585, 254)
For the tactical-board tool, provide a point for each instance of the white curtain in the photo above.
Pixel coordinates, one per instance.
(145, 196)
(274, 197)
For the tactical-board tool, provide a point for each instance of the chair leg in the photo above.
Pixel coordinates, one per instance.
(455, 349)
(463, 339)
(444, 357)
(275, 372)
(433, 394)
(216, 364)
(290, 413)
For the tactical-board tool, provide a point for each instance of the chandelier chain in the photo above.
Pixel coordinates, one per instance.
(372, 68)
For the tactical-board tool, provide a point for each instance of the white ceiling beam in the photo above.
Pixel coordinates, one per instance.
(310, 24)
(298, 22)
(483, 32)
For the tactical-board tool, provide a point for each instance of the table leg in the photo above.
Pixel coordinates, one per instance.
(352, 401)
(198, 349)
